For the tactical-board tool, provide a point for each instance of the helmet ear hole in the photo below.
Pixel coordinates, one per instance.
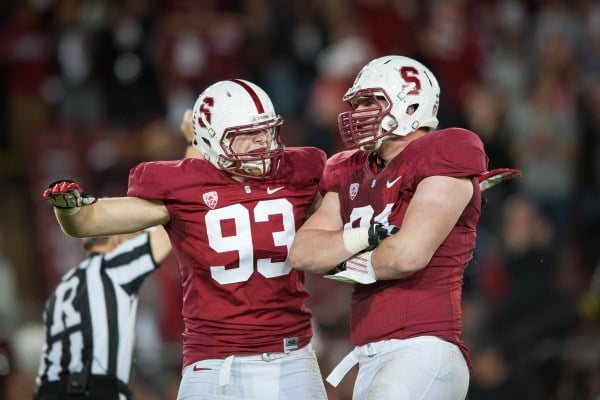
(410, 110)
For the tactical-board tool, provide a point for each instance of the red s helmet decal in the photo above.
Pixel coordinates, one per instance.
(410, 75)
(205, 109)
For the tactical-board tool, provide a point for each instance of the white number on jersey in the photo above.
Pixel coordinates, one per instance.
(242, 240)
(364, 215)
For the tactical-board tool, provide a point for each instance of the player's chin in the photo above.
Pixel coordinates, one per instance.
(254, 172)
(369, 147)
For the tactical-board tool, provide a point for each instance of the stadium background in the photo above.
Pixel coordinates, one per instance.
(88, 88)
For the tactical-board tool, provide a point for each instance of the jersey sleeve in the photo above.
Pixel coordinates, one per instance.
(155, 180)
(334, 172)
(315, 161)
(302, 167)
(143, 182)
(457, 153)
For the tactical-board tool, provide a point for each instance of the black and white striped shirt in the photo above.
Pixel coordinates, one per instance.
(90, 317)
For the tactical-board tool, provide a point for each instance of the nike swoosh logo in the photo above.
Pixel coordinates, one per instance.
(389, 184)
(277, 189)
(201, 369)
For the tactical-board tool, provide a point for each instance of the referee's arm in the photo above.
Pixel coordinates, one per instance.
(160, 244)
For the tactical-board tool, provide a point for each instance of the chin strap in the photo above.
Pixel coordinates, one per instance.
(373, 146)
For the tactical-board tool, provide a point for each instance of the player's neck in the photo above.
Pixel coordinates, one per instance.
(393, 146)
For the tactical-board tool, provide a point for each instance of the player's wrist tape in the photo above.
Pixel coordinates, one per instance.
(66, 210)
(356, 239)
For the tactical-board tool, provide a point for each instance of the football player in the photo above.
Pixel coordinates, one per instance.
(231, 214)
(406, 299)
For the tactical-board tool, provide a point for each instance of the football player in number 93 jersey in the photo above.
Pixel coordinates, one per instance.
(399, 212)
(231, 215)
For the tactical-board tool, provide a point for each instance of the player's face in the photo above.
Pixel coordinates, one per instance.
(252, 142)
(370, 105)
(366, 104)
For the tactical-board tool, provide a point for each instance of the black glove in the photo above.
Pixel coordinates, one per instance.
(378, 232)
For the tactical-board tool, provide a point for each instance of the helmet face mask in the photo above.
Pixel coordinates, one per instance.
(398, 96)
(253, 164)
(231, 111)
(363, 126)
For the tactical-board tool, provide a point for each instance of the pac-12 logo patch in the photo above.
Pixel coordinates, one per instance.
(353, 190)
(210, 199)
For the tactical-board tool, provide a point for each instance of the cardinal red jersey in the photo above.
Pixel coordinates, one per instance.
(231, 240)
(428, 302)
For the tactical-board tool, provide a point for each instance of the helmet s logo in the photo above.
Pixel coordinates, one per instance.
(353, 190)
(410, 76)
(205, 109)
(211, 199)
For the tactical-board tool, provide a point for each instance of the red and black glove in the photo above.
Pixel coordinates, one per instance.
(67, 196)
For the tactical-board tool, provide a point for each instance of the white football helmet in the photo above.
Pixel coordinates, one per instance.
(230, 108)
(403, 82)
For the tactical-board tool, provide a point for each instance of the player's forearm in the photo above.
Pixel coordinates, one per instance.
(317, 250)
(412, 247)
(111, 216)
(78, 225)
(396, 260)
(97, 219)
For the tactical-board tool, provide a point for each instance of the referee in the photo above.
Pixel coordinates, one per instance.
(90, 318)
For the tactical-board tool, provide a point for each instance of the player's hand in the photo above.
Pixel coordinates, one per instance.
(67, 196)
(378, 232)
(357, 269)
(489, 179)
(357, 240)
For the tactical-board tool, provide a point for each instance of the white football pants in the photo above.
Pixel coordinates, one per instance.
(269, 376)
(418, 368)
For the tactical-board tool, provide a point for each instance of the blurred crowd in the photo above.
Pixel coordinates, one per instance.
(89, 88)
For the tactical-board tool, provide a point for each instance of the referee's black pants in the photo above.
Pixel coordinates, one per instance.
(98, 387)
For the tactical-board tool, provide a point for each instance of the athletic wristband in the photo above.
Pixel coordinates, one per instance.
(356, 239)
(66, 210)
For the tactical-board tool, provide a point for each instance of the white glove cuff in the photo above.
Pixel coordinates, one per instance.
(370, 270)
(66, 211)
(356, 239)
